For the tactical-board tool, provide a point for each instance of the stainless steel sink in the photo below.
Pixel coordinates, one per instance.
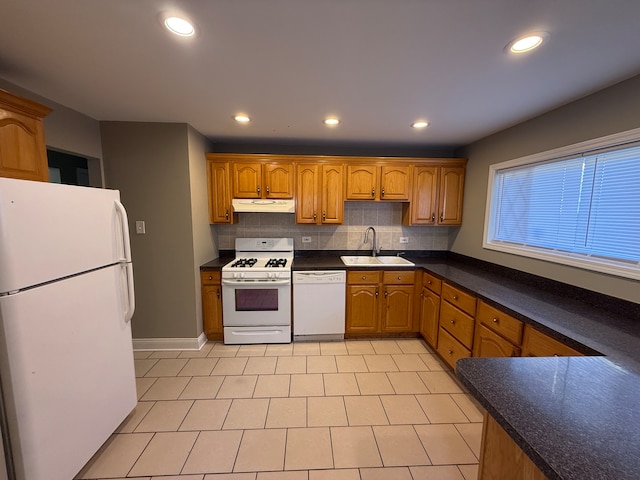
(380, 260)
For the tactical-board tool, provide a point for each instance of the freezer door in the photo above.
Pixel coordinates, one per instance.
(67, 371)
(49, 231)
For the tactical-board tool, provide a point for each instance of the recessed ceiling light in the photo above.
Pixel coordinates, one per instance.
(179, 26)
(331, 121)
(420, 124)
(242, 118)
(527, 42)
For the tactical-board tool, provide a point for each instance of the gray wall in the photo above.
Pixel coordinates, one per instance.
(205, 247)
(609, 111)
(149, 163)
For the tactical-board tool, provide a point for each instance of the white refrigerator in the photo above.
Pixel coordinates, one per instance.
(66, 301)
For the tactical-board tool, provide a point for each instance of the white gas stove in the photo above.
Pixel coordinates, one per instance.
(256, 292)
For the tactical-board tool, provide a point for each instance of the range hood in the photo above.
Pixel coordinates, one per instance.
(268, 206)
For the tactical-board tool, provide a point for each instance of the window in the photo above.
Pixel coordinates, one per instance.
(577, 206)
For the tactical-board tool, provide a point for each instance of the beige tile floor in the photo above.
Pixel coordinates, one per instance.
(353, 410)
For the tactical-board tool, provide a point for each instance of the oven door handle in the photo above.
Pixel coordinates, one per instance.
(258, 283)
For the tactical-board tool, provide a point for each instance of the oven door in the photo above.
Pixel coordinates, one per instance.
(251, 303)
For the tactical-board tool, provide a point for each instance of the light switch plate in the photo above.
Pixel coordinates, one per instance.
(404, 239)
(140, 227)
(306, 239)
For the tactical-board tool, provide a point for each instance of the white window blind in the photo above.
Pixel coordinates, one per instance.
(582, 211)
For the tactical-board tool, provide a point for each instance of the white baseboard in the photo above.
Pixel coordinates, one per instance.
(170, 343)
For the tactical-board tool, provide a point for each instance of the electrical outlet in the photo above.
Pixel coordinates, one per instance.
(140, 227)
(306, 239)
(404, 239)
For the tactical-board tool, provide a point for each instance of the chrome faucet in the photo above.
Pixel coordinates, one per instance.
(374, 250)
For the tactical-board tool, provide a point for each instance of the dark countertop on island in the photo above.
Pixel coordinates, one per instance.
(577, 418)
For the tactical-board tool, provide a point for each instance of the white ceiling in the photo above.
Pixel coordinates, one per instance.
(377, 64)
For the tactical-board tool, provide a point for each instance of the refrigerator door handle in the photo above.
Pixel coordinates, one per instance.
(131, 297)
(126, 262)
(124, 222)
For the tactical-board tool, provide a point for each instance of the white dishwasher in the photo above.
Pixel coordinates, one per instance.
(319, 304)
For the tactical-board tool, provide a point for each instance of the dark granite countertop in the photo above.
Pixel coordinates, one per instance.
(575, 417)
(588, 328)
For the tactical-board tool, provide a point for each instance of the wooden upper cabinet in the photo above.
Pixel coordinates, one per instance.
(450, 197)
(362, 182)
(278, 180)
(332, 197)
(219, 192)
(424, 205)
(23, 152)
(319, 197)
(307, 193)
(247, 180)
(262, 180)
(395, 182)
(437, 196)
(374, 182)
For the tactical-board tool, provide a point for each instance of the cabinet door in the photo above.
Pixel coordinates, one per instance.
(246, 180)
(362, 309)
(397, 313)
(501, 457)
(395, 182)
(361, 182)
(219, 193)
(537, 344)
(22, 148)
(212, 311)
(211, 304)
(307, 193)
(429, 314)
(489, 344)
(332, 197)
(278, 180)
(425, 196)
(450, 197)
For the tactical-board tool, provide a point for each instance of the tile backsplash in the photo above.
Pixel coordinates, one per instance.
(386, 218)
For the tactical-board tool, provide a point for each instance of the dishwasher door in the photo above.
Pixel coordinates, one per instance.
(319, 305)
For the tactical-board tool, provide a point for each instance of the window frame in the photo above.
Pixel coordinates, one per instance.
(619, 268)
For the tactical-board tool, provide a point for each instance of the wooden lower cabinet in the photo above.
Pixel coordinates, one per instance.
(429, 315)
(211, 305)
(380, 303)
(455, 336)
(450, 349)
(498, 334)
(501, 458)
(362, 309)
(489, 344)
(537, 344)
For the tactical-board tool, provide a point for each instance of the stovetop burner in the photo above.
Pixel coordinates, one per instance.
(276, 263)
(244, 262)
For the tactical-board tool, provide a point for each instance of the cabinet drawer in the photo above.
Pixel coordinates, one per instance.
(361, 277)
(501, 323)
(537, 344)
(400, 277)
(210, 277)
(432, 283)
(462, 300)
(450, 349)
(457, 323)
